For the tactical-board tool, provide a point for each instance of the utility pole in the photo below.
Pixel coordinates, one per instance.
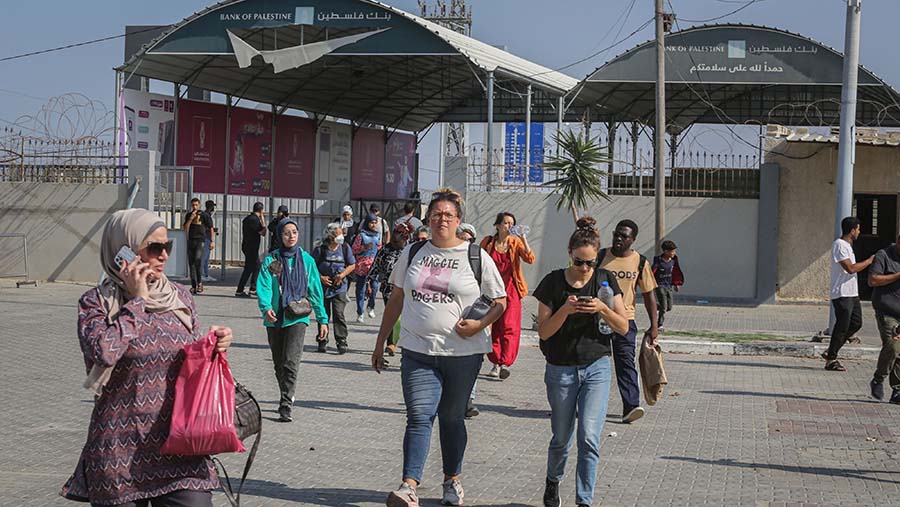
(847, 145)
(660, 133)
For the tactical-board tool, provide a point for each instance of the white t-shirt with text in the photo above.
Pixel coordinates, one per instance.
(843, 284)
(438, 288)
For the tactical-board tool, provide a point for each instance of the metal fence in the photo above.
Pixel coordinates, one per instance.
(695, 174)
(112, 174)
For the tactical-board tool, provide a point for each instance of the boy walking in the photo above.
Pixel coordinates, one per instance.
(668, 279)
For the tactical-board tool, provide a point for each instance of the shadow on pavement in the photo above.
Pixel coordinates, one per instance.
(745, 363)
(313, 496)
(834, 472)
(337, 406)
(785, 395)
(514, 412)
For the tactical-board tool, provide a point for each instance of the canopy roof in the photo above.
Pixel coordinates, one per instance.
(736, 74)
(355, 59)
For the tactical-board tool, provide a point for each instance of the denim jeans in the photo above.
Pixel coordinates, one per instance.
(361, 294)
(582, 393)
(436, 386)
(205, 261)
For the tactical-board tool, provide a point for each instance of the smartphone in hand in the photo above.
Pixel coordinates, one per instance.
(124, 257)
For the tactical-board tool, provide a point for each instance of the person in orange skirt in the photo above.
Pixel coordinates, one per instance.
(508, 252)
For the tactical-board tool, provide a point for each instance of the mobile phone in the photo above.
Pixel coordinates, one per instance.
(124, 256)
(585, 299)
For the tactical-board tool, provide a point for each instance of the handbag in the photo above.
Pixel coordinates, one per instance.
(247, 422)
(294, 309)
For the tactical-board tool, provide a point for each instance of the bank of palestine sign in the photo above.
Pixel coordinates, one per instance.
(378, 30)
(732, 54)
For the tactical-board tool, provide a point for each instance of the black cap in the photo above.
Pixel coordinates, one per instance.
(283, 209)
(374, 207)
(257, 206)
(210, 204)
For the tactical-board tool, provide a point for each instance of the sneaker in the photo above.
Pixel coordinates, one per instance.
(495, 371)
(453, 492)
(252, 293)
(471, 410)
(284, 414)
(877, 389)
(633, 415)
(321, 346)
(503, 373)
(895, 397)
(819, 337)
(551, 494)
(208, 278)
(360, 319)
(241, 294)
(404, 496)
(200, 289)
(371, 313)
(342, 348)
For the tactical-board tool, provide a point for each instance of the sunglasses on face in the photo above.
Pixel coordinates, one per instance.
(156, 249)
(581, 262)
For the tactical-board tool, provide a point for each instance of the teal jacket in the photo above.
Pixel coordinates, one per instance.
(268, 293)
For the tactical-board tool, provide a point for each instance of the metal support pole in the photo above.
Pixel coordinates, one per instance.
(660, 134)
(116, 122)
(272, 159)
(637, 168)
(560, 105)
(490, 131)
(611, 147)
(227, 182)
(587, 124)
(847, 145)
(442, 156)
(527, 137)
(174, 157)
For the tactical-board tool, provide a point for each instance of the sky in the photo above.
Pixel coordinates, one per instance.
(552, 33)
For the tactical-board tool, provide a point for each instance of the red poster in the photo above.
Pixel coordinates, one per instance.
(201, 143)
(400, 166)
(295, 147)
(367, 165)
(250, 164)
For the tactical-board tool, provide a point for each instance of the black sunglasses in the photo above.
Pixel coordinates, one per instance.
(581, 262)
(156, 249)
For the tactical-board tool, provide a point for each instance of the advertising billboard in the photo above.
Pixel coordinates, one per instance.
(250, 147)
(201, 143)
(295, 152)
(400, 166)
(149, 123)
(367, 179)
(333, 153)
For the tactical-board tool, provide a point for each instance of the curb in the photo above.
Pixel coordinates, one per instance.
(759, 348)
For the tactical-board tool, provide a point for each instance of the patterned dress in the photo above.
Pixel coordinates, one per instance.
(382, 267)
(121, 461)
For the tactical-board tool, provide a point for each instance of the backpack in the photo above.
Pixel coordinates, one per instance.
(643, 262)
(320, 253)
(474, 257)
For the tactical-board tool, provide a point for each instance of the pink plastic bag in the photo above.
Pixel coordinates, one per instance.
(203, 414)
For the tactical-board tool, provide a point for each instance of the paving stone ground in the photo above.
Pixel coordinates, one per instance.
(729, 430)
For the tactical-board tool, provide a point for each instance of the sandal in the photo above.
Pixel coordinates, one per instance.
(835, 366)
(200, 289)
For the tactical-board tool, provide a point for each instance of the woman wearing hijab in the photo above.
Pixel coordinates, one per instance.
(289, 274)
(380, 273)
(365, 248)
(132, 328)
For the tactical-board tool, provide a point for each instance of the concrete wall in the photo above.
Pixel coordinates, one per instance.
(716, 238)
(63, 225)
(807, 207)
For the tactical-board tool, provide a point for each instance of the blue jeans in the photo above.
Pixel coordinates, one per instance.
(582, 393)
(436, 386)
(204, 264)
(626, 373)
(361, 294)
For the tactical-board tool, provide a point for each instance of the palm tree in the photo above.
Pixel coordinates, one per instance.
(578, 174)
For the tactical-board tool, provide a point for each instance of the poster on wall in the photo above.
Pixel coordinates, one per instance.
(250, 148)
(201, 143)
(333, 154)
(149, 123)
(295, 145)
(367, 181)
(400, 166)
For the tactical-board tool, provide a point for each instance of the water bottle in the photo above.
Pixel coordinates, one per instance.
(519, 230)
(607, 296)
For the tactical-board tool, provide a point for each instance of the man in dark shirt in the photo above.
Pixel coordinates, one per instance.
(274, 240)
(197, 225)
(253, 229)
(207, 251)
(884, 277)
(668, 278)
